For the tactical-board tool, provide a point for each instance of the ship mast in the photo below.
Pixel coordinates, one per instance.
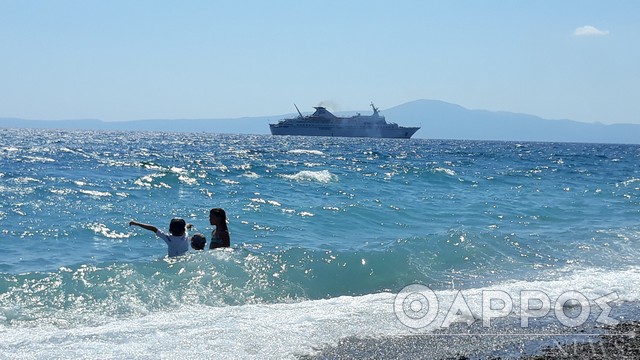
(375, 109)
(298, 111)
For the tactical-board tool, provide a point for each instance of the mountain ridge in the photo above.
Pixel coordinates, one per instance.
(437, 119)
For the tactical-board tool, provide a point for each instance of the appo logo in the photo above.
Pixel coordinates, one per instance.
(417, 306)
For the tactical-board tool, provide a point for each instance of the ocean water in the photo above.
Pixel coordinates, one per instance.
(326, 233)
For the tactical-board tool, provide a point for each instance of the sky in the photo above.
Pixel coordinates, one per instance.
(154, 59)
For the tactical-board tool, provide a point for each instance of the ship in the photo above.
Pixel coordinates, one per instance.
(323, 123)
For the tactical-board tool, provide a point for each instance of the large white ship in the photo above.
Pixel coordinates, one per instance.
(324, 123)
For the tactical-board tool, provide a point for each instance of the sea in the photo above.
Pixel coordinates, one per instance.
(341, 247)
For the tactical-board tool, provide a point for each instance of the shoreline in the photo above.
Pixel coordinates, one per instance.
(619, 341)
(541, 341)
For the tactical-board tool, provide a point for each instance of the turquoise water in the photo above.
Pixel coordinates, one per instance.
(325, 232)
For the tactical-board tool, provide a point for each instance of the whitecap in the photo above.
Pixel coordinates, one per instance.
(26, 179)
(303, 151)
(187, 180)
(95, 193)
(102, 229)
(630, 181)
(445, 170)
(178, 170)
(38, 159)
(62, 191)
(323, 176)
(250, 175)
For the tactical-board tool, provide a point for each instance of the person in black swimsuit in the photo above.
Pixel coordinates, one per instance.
(219, 236)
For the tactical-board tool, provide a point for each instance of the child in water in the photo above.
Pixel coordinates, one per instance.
(177, 241)
(198, 241)
(219, 236)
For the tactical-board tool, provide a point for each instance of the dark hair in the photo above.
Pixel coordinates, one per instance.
(218, 212)
(177, 226)
(198, 241)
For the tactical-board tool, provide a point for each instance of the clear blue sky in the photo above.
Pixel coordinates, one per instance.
(126, 60)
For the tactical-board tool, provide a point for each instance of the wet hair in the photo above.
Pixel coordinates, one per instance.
(218, 212)
(198, 241)
(177, 226)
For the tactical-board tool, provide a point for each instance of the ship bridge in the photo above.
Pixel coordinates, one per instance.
(323, 113)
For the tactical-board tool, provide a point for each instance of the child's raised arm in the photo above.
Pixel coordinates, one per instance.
(144, 226)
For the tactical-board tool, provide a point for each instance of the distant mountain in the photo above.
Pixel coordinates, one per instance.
(441, 120)
(437, 119)
(255, 125)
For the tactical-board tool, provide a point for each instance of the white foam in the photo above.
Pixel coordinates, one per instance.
(102, 229)
(445, 170)
(38, 159)
(236, 332)
(323, 176)
(303, 151)
(592, 284)
(276, 331)
(95, 193)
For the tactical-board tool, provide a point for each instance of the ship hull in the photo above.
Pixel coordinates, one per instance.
(348, 131)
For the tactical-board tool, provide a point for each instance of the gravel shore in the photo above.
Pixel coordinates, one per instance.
(617, 342)
(603, 342)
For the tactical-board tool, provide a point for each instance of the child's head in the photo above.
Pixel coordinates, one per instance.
(198, 241)
(177, 226)
(217, 213)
